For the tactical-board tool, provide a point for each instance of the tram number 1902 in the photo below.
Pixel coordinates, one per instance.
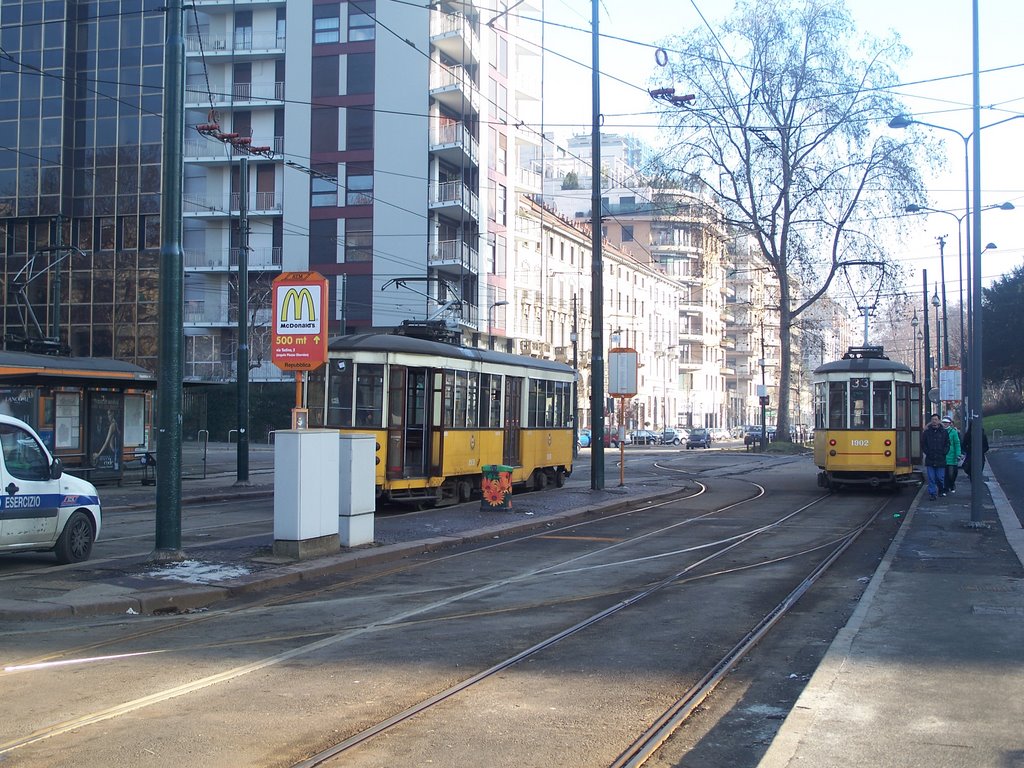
(860, 443)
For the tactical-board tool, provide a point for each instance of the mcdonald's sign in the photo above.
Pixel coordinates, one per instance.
(299, 333)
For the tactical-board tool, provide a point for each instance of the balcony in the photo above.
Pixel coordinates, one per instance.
(454, 88)
(210, 149)
(235, 95)
(453, 143)
(454, 35)
(453, 255)
(262, 203)
(453, 198)
(201, 312)
(243, 41)
(528, 181)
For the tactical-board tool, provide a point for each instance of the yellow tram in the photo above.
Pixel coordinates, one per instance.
(867, 421)
(442, 412)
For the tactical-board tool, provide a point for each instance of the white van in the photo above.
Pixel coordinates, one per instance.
(41, 508)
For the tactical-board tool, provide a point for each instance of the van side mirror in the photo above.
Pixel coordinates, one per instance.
(56, 469)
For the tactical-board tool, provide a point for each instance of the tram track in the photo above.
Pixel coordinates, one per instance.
(431, 611)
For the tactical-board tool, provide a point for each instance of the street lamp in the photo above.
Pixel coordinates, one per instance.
(938, 349)
(490, 321)
(914, 322)
(914, 208)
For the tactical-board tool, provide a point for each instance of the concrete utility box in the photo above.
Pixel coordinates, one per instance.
(305, 506)
(356, 481)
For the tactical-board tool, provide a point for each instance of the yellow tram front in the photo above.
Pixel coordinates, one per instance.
(867, 421)
(441, 413)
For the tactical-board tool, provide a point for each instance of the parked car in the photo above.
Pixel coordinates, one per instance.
(672, 436)
(752, 435)
(583, 438)
(611, 438)
(645, 437)
(717, 433)
(699, 438)
(44, 509)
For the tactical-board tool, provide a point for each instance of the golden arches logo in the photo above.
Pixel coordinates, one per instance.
(300, 302)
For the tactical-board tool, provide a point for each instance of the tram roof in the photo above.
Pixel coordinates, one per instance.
(390, 342)
(863, 365)
(30, 367)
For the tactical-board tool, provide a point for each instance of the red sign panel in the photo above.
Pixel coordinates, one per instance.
(299, 333)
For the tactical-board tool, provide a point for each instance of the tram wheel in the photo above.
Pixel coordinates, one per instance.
(540, 480)
(559, 478)
(465, 490)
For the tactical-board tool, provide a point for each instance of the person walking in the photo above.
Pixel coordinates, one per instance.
(953, 455)
(934, 447)
(967, 451)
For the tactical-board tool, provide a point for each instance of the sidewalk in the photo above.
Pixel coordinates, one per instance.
(930, 668)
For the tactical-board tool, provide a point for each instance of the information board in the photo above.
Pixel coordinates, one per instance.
(299, 338)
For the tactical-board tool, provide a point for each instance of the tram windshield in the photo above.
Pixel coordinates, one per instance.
(858, 403)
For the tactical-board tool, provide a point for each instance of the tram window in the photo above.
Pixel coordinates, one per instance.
(837, 410)
(314, 396)
(881, 405)
(369, 395)
(821, 405)
(339, 393)
(449, 398)
(490, 401)
(860, 416)
(472, 400)
(461, 398)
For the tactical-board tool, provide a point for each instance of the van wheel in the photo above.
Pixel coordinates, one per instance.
(76, 540)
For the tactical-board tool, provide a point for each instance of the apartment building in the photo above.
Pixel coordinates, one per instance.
(552, 312)
(380, 144)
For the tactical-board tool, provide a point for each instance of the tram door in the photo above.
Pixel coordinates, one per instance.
(408, 422)
(908, 424)
(513, 420)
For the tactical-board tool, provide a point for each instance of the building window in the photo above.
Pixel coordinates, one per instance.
(327, 23)
(323, 191)
(359, 128)
(323, 241)
(359, 185)
(358, 240)
(361, 24)
(324, 76)
(360, 73)
(627, 234)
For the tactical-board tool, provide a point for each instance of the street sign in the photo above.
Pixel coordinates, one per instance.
(949, 384)
(299, 333)
(622, 370)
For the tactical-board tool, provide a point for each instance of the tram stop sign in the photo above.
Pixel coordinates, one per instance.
(299, 328)
(622, 372)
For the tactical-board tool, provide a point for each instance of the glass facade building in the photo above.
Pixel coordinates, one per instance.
(81, 87)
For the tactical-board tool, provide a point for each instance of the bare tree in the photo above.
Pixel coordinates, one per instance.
(786, 131)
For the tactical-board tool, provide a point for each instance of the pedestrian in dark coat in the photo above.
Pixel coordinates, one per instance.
(934, 447)
(967, 450)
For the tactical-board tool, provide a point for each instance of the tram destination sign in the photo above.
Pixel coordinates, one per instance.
(299, 332)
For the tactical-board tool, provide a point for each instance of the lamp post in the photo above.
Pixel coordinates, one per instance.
(938, 350)
(490, 321)
(574, 338)
(914, 322)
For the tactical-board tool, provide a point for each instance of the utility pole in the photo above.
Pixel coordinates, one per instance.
(927, 340)
(242, 373)
(596, 270)
(942, 279)
(574, 338)
(170, 398)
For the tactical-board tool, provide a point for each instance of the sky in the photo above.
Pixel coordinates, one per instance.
(938, 89)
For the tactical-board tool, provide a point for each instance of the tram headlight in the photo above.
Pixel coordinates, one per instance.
(832, 442)
(888, 443)
(888, 453)
(833, 451)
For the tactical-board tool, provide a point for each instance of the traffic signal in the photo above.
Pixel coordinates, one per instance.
(764, 399)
